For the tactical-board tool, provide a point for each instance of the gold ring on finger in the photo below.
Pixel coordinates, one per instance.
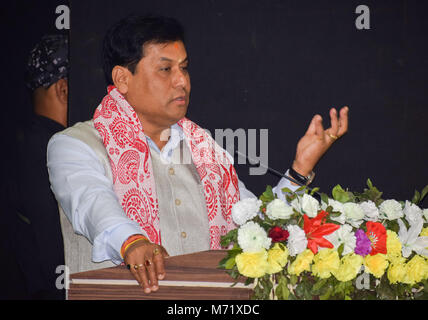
(136, 267)
(148, 263)
(333, 136)
(156, 251)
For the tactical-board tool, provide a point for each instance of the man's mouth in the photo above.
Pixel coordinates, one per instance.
(180, 100)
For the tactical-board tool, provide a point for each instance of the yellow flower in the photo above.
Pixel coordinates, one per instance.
(350, 266)
(302, 263)
(393, 246)
(252, 264)
(416, 270)
(277, 259)
(376, 264)
(326, 262)
(396, 272)
(424, 233)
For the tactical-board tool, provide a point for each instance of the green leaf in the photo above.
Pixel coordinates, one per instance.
(268, 195)
(372, 193)
(340, 249)
(230, 263)
(282, 292)
(249, 281)
(302, 188)
(339, 194)
(324, 198)
(327, 295)
(314, 190)
(416, 197)
(318, 286)
(286, 190)
(231, 236)
(424, 192)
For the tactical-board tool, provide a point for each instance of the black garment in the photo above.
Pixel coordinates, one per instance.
(34, 233)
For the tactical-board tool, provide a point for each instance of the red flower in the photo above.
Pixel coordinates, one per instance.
(278, 234)
(316, 228)
(376, 232)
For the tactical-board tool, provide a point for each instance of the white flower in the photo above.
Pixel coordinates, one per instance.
(412, 212)
(371, 212)
(253, 238)
(245, 209)
(297, 241)
(343, 235)
(306, 205)
(391, 209)
(353, 213)
(337, 207)
(278, 209)
(410, 239)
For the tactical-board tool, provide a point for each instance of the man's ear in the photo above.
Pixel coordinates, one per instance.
(61, 90)
(121, 77)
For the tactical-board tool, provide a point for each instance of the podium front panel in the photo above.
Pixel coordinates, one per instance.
(193, 276)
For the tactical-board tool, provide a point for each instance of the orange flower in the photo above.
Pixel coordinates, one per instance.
(315, 230)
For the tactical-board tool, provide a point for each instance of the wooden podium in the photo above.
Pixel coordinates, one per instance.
(188, 277)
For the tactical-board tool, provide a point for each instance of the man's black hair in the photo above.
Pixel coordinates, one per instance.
(123, 43)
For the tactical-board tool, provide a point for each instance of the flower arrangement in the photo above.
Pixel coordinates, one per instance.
(348, 246)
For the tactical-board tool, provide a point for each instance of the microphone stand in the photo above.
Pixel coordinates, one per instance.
(279, 174)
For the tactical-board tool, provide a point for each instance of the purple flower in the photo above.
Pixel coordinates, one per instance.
(363, 246)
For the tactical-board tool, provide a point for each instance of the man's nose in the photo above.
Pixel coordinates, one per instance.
(180, 79)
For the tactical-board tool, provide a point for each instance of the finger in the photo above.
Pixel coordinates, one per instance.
(135, 273)
(319, 129)
(312, 129)
(334, 122)
(159, 263)
(343, 121)
(144, 279)
(151, 271)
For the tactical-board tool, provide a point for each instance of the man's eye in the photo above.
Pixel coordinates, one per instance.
(166, 69)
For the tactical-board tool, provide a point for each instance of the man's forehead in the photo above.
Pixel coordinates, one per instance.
(169, 51)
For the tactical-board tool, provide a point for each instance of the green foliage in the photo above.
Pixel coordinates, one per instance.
(372, 193)
(341, 195)
(268, 195)
(419, 196)
(282, 292)
(230, 237)
(263, 288)
(228, 262)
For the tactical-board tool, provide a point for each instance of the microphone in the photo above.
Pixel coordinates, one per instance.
(279, 174)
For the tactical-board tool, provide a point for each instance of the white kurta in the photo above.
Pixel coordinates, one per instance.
(81, 179)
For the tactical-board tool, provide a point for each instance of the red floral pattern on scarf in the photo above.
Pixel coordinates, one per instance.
(134, 183)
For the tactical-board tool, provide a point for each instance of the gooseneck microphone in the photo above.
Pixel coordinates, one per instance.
(279, 174)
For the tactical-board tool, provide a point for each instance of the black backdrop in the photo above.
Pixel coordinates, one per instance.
(268, 65)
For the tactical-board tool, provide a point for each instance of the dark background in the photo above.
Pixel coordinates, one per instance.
(266, 65)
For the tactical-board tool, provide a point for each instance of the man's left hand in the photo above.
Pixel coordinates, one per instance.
(316, 141)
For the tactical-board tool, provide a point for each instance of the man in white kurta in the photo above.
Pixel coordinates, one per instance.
(155, 83)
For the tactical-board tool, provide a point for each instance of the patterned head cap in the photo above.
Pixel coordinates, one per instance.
(48, 62)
